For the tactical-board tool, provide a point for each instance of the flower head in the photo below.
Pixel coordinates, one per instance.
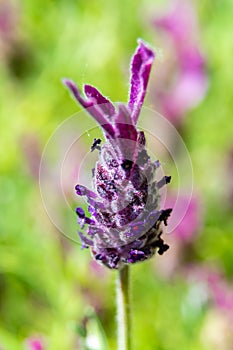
(125, 221)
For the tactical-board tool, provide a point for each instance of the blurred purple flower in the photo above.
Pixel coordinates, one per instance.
(125, 222)
(34, 344)
(31, 149)
(191, 83)
(190, 224)
(180, 22)
(229, 179)
(209, 292)
(8, 18)
(221, 293)
(8, 27)
(184, 235)
(15, 52)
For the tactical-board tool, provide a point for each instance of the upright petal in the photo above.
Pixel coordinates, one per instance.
(140, 72)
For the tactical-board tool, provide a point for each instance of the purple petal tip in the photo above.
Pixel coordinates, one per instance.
(140, 71)
(70, 84)
(146, 49)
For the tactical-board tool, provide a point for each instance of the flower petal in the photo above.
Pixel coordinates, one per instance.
(165, 180)
(76, 93)
(92, 107)
(124, 125)
(126, 132)
(140, 71)
(84, 191)
(106, 106)
(86, 242)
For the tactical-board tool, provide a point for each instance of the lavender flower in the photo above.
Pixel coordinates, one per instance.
(221, 292)
(188, 228)
(34, 344)
(125, 222)
(191, 84)
(229, 181)
(218, 289)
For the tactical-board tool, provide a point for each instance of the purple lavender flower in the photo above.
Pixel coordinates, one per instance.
(219, 290)
(229, 180)
(190, 86)
(188, 228)
(125, 222)
(180, 21)
(8, 20)
(35, 344)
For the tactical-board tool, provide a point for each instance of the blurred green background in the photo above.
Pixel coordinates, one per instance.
(49, 288)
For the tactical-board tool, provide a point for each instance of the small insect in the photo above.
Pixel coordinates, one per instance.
(95, 145)
(127, 165)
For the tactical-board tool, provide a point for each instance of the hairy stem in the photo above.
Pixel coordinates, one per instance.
(123, 309)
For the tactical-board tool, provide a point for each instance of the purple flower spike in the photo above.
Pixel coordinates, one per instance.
(125, 223)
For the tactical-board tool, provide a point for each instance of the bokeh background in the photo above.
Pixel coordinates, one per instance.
(52, 296)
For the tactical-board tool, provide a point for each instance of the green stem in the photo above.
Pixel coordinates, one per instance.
(123, 309)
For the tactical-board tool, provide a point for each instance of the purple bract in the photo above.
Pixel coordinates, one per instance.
(124, 226)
